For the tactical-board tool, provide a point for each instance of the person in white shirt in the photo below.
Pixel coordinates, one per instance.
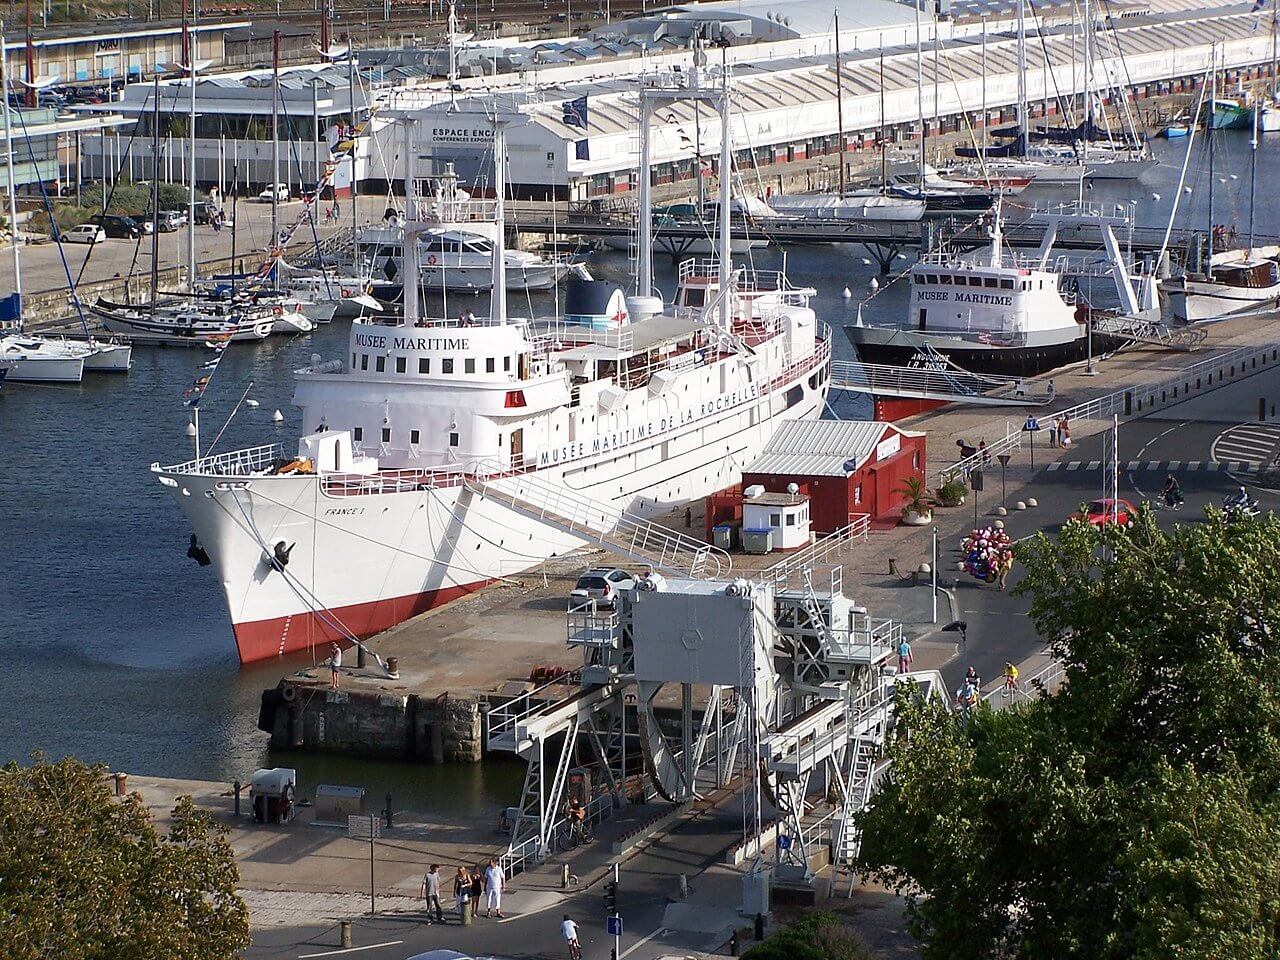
(335, 665)
(494, 881)
(569, 930)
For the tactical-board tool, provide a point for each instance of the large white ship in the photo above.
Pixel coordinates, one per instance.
(382, 512)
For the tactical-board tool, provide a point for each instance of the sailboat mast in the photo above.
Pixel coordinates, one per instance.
(190, 44)
(839, 105)
(275, 150)
(1022, 77)
(984, 89)
(355, 142)
(920, 89)
(1088, 71)
(726, 182)
(1253, 171)
(884, 146)
(8, 152)
(155, 194)
(1213, 105)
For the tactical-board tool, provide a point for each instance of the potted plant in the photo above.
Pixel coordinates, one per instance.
(952, 492)
(916, 512)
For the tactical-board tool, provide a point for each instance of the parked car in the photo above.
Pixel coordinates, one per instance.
(85, 233)
(602, 584)
(278, 192)
(171, 220)
(1104, 511)
(118, 226)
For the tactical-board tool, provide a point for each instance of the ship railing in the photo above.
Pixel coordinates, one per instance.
(463, 322)
(389, 481)
(236, 463)
(555, 335)
(818, 358)
(793, 567)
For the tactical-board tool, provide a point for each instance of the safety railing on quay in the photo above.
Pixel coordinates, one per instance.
(781, 573)
(1204, 374)
(519, 857)
(505, 718)
(1043, 682)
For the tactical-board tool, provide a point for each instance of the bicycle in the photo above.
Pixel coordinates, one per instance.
(572, 834)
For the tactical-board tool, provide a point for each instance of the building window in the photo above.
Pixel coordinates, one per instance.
(775, 519)
(446, 365)
(453, 439)
(791, 519)
(400, 364)
(386, 434)
(469, 365)
(357, 434)
(415, 437)
(364, 361)
(506, 364)
(488, 365)
(424, 364)
(381, 365)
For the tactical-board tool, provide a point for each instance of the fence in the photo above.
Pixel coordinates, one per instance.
(1202, 376)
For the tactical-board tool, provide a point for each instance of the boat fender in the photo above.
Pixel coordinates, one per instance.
(197, 552)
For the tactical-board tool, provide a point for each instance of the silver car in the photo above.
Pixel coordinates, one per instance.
(602, 584)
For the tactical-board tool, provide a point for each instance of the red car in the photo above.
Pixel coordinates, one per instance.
(1107, 510)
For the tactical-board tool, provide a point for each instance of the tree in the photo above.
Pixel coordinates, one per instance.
(84, 875)
(1134, 814)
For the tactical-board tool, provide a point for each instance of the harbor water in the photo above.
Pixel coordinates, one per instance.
(116, 646)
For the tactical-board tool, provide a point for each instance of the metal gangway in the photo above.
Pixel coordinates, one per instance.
(1153, 332)
(947, 383)
(612, 527)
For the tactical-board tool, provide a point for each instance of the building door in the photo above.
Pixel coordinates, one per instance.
(517, 448)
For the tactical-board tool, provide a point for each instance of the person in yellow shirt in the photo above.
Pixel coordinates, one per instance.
(1010, 676)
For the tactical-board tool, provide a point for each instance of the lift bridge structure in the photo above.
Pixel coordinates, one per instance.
(776, 684)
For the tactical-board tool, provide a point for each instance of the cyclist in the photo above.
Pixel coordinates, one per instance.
(569, 930)
(577, 814)
(1010, 677)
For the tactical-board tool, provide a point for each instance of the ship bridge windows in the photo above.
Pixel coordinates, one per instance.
(469, 365)
(381, 365)
(357, 434)
(364, 361)
(991, 282)
(401, 364)
(424, 365)
(1006, 283)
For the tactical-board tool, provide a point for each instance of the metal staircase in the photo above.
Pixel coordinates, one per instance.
(604, 524)
(857, 794)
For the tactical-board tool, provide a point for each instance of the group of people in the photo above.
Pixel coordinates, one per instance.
(970, 692)
(988, 555)
(470, 886)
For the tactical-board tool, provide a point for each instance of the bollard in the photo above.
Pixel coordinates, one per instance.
(466, 912)
(564, 876)
(393, 668)
(345, 927)
(759, 931)
(388, 811)
(121, 782)
(360, 655)
(236, 788)
(893, 566)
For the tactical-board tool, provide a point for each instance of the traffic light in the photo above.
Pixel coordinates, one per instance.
(611, 895)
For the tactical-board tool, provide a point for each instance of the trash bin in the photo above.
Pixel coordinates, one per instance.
(757, 541)
(722, 535)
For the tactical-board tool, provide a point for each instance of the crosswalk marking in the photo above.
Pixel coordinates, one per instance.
(1252, 443)
(1162, 466)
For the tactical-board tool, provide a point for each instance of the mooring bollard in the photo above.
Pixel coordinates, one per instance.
(388, 811)
(345, 927)
(122, 780)
(564, 876)
(236, 788)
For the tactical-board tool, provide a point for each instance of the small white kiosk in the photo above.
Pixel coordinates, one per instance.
(784, 517)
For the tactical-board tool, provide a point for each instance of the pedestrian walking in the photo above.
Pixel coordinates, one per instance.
(905, 657)
(335, 665)
(431, 893)
(461, 890)
(337, 212)
(494, 881)
(1064, 433)
(1002, 571)
(569, 930)
(477, 890)
(986, 454)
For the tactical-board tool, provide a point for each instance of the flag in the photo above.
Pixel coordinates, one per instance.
(575, 113)
(581, 150)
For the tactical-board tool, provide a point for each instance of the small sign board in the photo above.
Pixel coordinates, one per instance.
(363, 827)
(614, 926)
(784, 842)
(976, 480)
(1031, 425)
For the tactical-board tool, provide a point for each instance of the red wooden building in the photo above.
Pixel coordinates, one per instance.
(845, 467)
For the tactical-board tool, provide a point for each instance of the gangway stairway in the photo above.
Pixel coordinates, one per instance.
(609, 526)
(939, 382)
(1156, 333)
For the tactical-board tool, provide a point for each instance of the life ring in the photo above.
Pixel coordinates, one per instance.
(431, 260)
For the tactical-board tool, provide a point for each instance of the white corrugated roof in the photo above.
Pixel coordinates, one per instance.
(820, 448)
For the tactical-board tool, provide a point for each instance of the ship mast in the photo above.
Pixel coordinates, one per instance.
(840, 105)
(8, 151)
(498, 297)
(726, 183)
(1022, 77)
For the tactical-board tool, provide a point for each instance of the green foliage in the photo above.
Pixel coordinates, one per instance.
(819, 936)
(1135, 813)
(134, 199)
(86, 876)
(952, 492)
(913, 490)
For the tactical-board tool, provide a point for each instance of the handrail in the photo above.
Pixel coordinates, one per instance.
(505, 718)
(947, 382)
(858, 527)
(236, 463)
(1114, 402)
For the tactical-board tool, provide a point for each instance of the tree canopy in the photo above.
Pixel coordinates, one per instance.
(85, 875)
(1132, 814)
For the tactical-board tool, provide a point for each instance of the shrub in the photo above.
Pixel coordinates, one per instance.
(819, 936)
(952, 492)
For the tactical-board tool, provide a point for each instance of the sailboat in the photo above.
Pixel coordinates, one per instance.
(1229, 281)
